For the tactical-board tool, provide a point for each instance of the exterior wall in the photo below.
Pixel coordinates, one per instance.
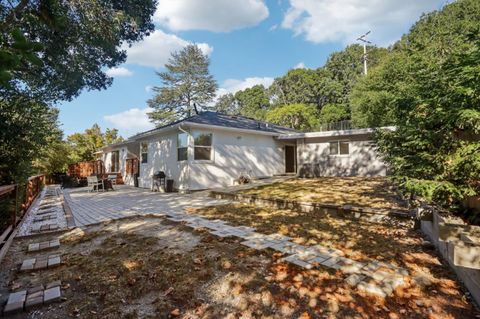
(162, 156)
(313, 156)
(235, 153)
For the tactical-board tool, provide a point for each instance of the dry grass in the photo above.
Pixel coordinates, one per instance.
(151, 268)
(396, 244)
(374, 192)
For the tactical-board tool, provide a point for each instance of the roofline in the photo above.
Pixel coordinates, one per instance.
(226, 128)
(333, 133)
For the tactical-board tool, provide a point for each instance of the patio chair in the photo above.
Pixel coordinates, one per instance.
(93, 182)
(112, 179)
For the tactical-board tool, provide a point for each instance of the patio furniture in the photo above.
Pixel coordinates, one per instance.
(112, 179)
(94, 182)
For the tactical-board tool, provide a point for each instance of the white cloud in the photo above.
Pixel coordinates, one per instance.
(234, 85)
(211, 15)
(116, 72)
(300, 65)
(149, 88)
(131, 121)
(155, 50)
(345, 20)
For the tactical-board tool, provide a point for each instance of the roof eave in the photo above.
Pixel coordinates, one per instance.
(333, 133)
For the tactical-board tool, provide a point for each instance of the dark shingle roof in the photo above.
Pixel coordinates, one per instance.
(224, 120)
(236, 121)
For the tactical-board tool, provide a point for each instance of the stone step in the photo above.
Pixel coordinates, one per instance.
(39, 263)
(32, 297)
(44, 228)
(44, 245)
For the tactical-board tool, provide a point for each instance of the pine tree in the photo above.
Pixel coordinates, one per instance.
(187, 86)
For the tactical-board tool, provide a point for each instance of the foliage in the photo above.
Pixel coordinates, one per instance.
(334, 113)
(253, 102)
(428, 87)
(49, 52)
(84, 145)
(26, 126)
(297, 116)
(227, 104)
(306, 86)
(67, 44)
(187, 85)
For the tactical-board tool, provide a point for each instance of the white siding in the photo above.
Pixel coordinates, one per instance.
(162, 156)
(362, 160)
(233, 154)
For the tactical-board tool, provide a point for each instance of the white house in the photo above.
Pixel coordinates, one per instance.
(210, 150)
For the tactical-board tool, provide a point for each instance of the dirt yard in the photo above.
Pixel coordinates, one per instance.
(373, 192)
(153, 268)
(437, 293)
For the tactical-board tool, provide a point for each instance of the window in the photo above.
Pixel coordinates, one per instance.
(202, 146)
(144, 152)
(182, 147)
(339, 147)
(115, 162)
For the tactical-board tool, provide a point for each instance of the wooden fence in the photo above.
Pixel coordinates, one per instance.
(15, 200)
(84, 169)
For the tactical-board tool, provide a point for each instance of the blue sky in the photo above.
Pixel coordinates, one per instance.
(248, 41)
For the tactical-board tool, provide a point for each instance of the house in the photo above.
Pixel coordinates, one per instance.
(210, 150)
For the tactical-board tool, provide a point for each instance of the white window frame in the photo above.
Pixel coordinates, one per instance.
(178, 145)
(212, 153)
(141, 152)
(338, 148)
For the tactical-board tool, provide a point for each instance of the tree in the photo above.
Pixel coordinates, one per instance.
(428, 88)
(50, 51)
(187, 86)
(297, 116)
(227, 104)
(26, 126)
(57, 48)
(85, 144)
(306, 86)
(334, 113)
(253, 102)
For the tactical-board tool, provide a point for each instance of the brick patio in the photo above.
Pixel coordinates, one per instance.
(92, 208)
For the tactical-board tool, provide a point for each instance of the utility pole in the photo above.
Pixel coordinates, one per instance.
(363, 39)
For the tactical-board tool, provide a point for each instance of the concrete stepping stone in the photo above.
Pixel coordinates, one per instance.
(293, 259)
(32, 297)
(39, 263)
(257, 244)
(221, 233)
(44, 218)
(44, 228)
(15, 302)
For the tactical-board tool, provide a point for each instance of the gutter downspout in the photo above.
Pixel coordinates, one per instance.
(187, 189)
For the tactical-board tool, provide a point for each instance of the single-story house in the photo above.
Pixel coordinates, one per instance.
(210, 150)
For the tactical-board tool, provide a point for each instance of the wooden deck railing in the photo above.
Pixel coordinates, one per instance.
(15, 200)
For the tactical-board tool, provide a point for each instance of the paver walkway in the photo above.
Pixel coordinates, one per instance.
(92, 208)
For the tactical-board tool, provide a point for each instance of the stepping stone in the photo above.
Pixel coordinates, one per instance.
(45, 212)
(35, 289)
(34, 299)
(43, 218)
(256, 244)
(15, 302)
(55, 243)
(52, 294)
(53, 261)
(56, 283)
(28, 264)
(354, 279)
(294, 260)
(220, 233)
(332, 263)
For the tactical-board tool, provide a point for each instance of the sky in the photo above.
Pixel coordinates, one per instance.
(248, 42)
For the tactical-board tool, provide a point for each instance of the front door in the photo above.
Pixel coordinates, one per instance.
(290, 162)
